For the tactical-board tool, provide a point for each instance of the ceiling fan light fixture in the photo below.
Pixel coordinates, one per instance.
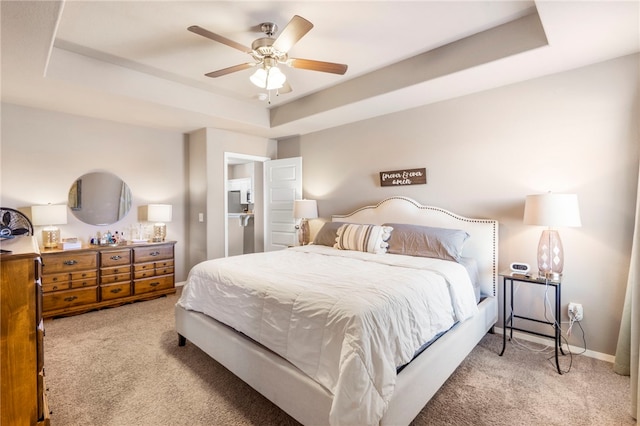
(270, 78)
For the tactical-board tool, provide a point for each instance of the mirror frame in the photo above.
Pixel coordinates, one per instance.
(96, 198)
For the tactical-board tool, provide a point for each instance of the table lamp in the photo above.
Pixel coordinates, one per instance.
(159, 213)
(303, 210)
(49, 216)
(553, 211)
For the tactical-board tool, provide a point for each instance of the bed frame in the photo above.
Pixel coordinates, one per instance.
(310, 403)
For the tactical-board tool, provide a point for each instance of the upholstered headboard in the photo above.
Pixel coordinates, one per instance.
(482, 245)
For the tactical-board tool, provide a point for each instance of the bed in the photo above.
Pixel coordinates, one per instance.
(308, 386)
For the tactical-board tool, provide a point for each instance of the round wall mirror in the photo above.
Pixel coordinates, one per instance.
(99, 198)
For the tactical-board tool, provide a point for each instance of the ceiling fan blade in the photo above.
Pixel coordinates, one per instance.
(309, 64)
(216, 37)
(292, 33)
(229, 70)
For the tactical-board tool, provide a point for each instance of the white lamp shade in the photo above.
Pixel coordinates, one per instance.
(552, 210)
(159, 212)
(270, 78)
(305, 209)
(51, 214)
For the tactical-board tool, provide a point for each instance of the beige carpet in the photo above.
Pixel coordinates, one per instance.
(123, 366)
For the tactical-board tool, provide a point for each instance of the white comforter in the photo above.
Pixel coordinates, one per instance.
(347, 319)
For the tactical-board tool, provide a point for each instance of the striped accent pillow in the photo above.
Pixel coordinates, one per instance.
(367, 238)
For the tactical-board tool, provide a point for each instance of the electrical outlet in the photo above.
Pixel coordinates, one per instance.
(575, 311)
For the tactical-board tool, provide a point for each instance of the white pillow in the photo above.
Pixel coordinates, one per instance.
(367, 238)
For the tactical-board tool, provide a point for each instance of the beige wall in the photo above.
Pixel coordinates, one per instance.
(44, 152)
(572, 132)
(206, 164)
(198, 178)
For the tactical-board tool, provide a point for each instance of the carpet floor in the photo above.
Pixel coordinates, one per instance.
(123, 367)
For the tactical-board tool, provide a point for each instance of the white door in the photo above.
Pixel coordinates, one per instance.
(282, 185)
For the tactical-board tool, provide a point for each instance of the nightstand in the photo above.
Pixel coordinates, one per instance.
(507, 321)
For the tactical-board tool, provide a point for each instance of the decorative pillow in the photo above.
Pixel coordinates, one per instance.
(327, 235)
(367, 238)
(426, 241)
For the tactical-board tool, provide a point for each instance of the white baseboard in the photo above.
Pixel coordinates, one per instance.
(574, 349)
(181, 284)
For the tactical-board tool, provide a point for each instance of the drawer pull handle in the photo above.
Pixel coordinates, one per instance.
(70, 262)
(55, 279)
(116, 257)
(70, 299)
(55, 287)
(154, 253)
(116, 290)
(154, 284)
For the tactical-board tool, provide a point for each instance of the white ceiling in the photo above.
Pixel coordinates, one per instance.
(135, 62)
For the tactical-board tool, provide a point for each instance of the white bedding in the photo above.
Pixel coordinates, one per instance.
(350, 334)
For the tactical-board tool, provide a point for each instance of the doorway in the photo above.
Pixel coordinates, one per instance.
(243, 203)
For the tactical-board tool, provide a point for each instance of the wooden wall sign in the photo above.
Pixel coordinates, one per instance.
(403, 177)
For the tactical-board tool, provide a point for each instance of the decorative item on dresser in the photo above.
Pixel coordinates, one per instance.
(14, 222)
(23, 399)
(77, 281)
(159, 214)
(49, 216)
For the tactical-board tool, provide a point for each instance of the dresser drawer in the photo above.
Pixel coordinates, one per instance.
(61, 278)
(114, 291)
(90, 282)
(68, 262)
(83, 275)
(164, 263)
(115, 278)
(68, 298)
(153, 253)
(164, 271)
(125, 269)
(47, 288)
(115, 257)
(153, 284)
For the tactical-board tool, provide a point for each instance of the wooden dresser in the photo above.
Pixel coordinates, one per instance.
(23, 401)
(94, 277)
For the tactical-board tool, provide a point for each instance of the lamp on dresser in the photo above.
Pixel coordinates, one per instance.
(303, 210)
(553, 211)
(49, 216)
(159, 213)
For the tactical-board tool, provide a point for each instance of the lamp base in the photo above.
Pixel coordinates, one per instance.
(159, 232)
(303, 232)
(50, 237)
(551, 276)
(550, 255)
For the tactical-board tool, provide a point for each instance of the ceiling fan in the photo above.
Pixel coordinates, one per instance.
(267, 52)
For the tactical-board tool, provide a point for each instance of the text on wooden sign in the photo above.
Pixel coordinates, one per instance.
(404, 177)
